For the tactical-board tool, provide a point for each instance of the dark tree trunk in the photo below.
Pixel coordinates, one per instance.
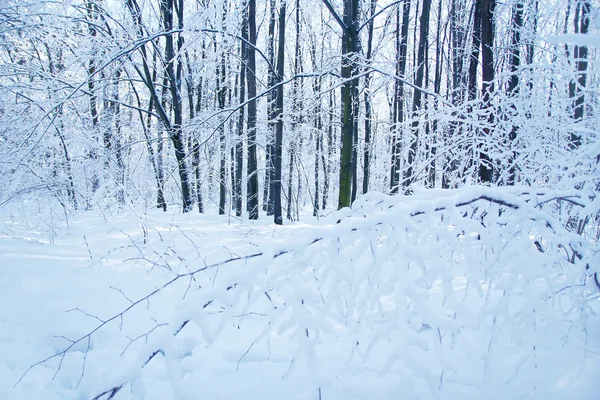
(437, 83)
(221, 98)
(239, 144)
(409, 177)
(221, 92)
(252, 187)
(487, 66)
(318, 124)
(174, 73)
(277, 217)
(513, 83)
(582, 23)
(349, 94)
(269, 190)
(398, 103)
(368, 112)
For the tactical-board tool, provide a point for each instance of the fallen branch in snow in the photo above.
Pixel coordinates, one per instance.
(112, 392)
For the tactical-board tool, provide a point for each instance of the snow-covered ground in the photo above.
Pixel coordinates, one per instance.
(277, 323)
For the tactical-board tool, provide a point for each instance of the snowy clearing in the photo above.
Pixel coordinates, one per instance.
(379, 304)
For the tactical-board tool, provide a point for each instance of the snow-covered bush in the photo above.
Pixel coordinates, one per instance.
(446, 293)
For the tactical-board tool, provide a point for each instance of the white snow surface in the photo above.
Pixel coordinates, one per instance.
(382, 305)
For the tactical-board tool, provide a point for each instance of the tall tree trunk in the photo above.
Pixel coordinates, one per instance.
(327, 162)
(252, 189)
(368, 112)
(115, 138)
(474, 54)
(269, 189)
(221, 98)
(221, 83)
(582, 24)
(409, 177)
(349, 94)
(487, 67)
(174, 73)
(398, 102)
(195, 144)
(239, 144)
(513, 83)
(318, 145)
(318, 124)
(296, 118)
(92, 12)
(437, 84)
(277, 217)
(58, 127)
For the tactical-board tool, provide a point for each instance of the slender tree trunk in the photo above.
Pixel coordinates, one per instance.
(474, 54)
(174, 73)
(513, 83)
(437, 83)
(409, 177)
(318, 146)
(195, 144)
(160, 143)
(157, 156)
(582, 23)
(269, 189)
(278, 219)
(252, 187)
(398, 103)
(327, 163)
(239, 144)
(296, 139)
(318, 124)
(368, 112)
(221, 98)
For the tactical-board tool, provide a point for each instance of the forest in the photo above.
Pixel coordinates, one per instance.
(401, 191)
(274, 107)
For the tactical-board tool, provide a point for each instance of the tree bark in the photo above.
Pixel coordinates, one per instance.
(367, 96)
(269, 189)
(398, 102)
(513, 83)
(239, 145)
(582, 24)
(409, 177)
(487, 66)
(252, 187)
(277, 217)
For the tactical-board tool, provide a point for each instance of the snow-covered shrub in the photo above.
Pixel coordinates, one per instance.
(449, 292)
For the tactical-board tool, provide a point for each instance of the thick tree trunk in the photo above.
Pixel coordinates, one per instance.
(487, 66)
(349, 98)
